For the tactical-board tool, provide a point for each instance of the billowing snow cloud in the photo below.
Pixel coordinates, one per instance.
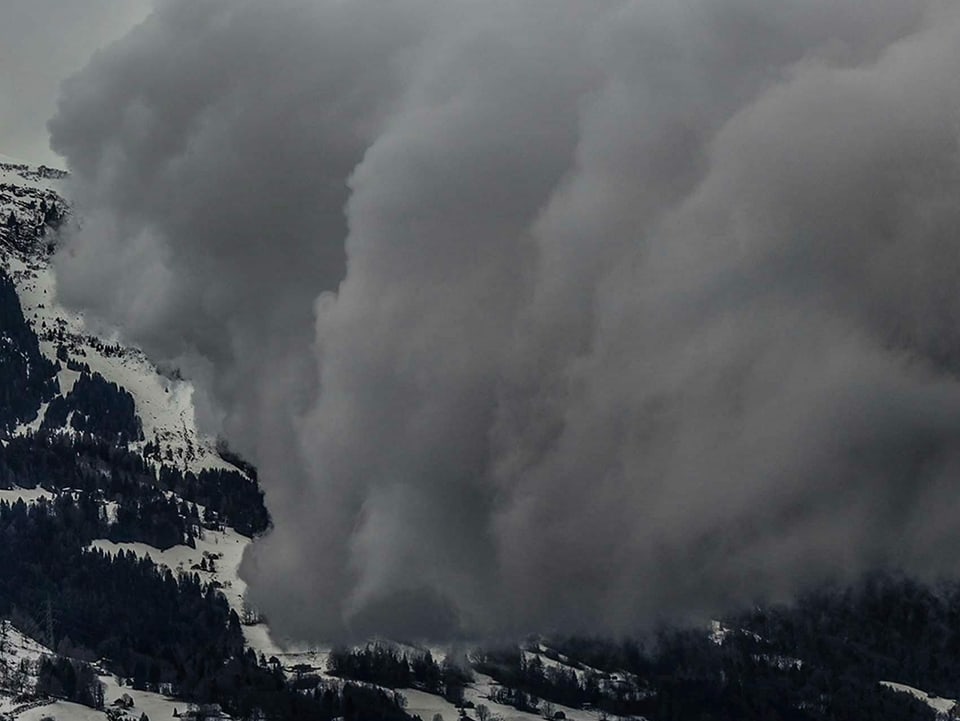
(546, 314)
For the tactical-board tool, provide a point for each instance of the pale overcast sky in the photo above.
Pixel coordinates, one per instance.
(42, 42)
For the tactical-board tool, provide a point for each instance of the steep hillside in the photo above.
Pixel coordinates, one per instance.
(33, 209)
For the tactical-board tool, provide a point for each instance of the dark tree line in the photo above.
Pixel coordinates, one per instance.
(144, 623)
(523, 678)
(388, 667)
(375, 664)
(155, 519)
(88, 463)
(69, 679)
(888, 627)
(97, 406)
(27, 377)
(229, 496)
(103, 415)
(118, 607)
(820, 659)
(264, 687)
(24, 232)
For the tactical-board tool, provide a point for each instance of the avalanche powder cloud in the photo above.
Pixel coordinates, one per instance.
(544, 315)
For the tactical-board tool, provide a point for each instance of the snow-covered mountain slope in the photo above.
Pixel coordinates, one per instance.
(23, 187)
(19, 660)
(164, 404)
(32, 207)
(943, 706)
(215, 559)
(33, 198)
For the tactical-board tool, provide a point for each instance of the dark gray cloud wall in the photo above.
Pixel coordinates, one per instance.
(547, 314)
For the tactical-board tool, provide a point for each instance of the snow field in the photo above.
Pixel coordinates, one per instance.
(943, 706)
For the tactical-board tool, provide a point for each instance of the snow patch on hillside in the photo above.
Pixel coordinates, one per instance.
(164, 405)
(482, 688)
(18, 648)
(27, 495)
(220, 551)
(25, 176)
(216, 559)
(943, 706)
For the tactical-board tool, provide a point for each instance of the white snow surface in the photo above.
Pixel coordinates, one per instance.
(943, 706)
(164, 404)
(718, 632)
(27, 495)
(479, 693)
(23, 175)
(18, 647)
(425, 705)
(223, 549)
